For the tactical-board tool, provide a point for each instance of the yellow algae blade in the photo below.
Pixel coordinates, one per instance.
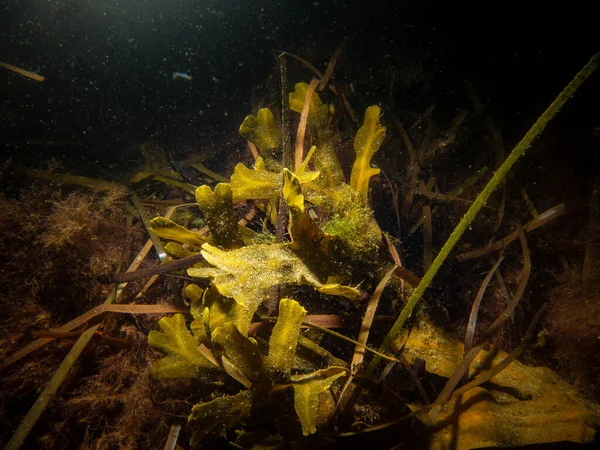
(177, 251)
(183, 359)
(259, 183)
(245, 356)
(283, 341)
(262, 131)
(255, 183)
(367, 141)
(302, 167)
(220, 413)
(292, 192)
(307, 393)
(319, 113)
(337, 289)
(217, 207)
(168, 229)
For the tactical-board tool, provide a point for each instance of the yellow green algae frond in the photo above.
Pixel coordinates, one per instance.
(292, 192)
(221, 412)
(240, 352)
(319, 113)
(166, 228)
(183, 359)
(307, 395)
(242, 358)
(284, 338)
(246, 275)
(260, 183)
(262, 131)
(255, 183)
(176, 250)
(367, 141)
(218, 210)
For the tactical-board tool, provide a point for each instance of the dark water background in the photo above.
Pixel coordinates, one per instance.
(109, 64)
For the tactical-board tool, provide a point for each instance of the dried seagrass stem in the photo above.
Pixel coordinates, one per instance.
(286, 159)
(480, 201)
(286, 140)
(470, 355)
(489, 374)
(299, 152)
(539, 221)
(331, 65)
(170, 266)
(476, 304)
